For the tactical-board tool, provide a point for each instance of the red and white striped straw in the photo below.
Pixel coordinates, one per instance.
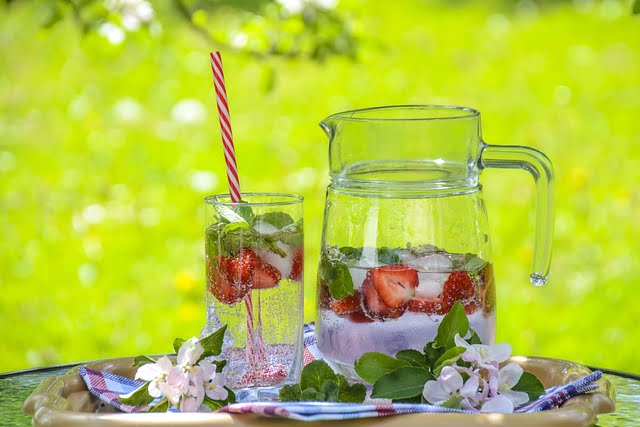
(255, 351)
(225, 126)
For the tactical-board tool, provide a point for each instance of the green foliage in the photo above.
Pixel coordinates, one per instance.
(318, 382)
(336, 275)
(530, 384)
(101, 185)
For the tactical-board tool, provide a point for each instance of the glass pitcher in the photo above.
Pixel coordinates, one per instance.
(405, 231)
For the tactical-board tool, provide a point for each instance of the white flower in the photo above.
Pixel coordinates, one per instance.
(508, 377)
(214, 382)
(498, 404)
(157, 373)
(483, 355)
(448, 384)
(175, 386)
(189, 353)
(112, 32)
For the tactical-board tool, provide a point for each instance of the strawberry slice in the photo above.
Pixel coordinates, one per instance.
(458, 287)
(220, 286)
(359, 317)
(373, 305)
(297, 264)
(348, 305)
(241, 268)
(266, 276)
(394, 284)
(422, 304)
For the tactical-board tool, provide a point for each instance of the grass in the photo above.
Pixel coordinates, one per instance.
(101, 181)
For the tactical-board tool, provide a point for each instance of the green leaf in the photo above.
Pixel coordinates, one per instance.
(636, 7)
(452, 402)
(310, 395)
(331, 391)
(387, 256)
(314, 375)
(220, 364)
(290, 393)
(161, 406)
(228, 215)
(245, 212)
(231, 398)
(232, 226)
(212, 343)
(414, 399)
(352, 254)
(142, 360)
(474, 263)
(432, 354)
(414, 357)
(449, 357)
(354, 393)
(292, 235)
(530, 384)
(337, 278)
(138, 397)
(278, 219)
(177, 343)
(214, 404)
(373, 365)
(474, 339)
(401, 384)
(454, 322)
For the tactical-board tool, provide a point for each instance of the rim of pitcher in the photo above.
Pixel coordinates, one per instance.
(351, 115)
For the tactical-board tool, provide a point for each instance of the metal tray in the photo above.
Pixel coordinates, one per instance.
(65, 401)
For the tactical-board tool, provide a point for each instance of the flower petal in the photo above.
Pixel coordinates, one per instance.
(498, 405)
(450, 379)
(499, 352)
(470, 388)
(148, 372)
(509, 376)
(434, 393)
(164, 364)
(518, 397)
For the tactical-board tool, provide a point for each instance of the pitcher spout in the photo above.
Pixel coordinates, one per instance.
(328, 125)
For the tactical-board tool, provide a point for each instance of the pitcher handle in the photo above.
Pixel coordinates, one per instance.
(538, 165)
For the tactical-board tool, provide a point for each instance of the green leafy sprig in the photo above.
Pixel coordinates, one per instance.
(318, 383)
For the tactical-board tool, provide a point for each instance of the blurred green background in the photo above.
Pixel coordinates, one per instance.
(109, 141)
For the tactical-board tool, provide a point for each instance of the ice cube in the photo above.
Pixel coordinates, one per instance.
(284, 265)
(265, 228)
(358, 274)
(430, 285)
(432, 263)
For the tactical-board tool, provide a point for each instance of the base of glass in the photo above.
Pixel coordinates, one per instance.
(258, 394)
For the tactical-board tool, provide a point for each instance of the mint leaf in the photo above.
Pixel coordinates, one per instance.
(351, 254)
(530, 384)
(414, 399)
(474, 263)
(337, 278)
(454, 322)
(231, 398)
(401, 384)
(278, 219)
(372, 365)
(387, 256)
(314, 375)
(161, 406)
(138, 397)
(142, 360)
(449, 357)
(232, 226)
(212, 343)
(432, 354)
(228, 215)
(311, 395)
(352, 393)
(177, 343)
(245, 212)
(292, 235)
(331, 391)
(414, 357)
(452, 402)
(290, 393)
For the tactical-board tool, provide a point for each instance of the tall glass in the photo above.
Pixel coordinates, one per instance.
(254, 268)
